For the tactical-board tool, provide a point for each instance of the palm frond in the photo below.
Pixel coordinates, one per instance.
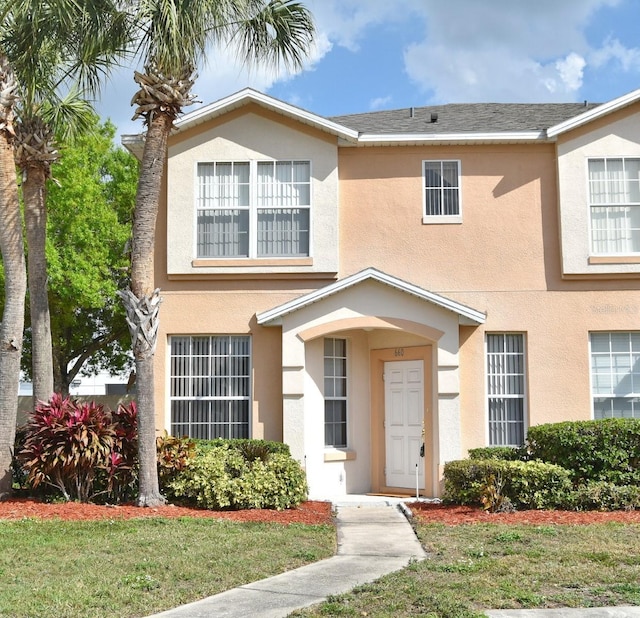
(276, 33)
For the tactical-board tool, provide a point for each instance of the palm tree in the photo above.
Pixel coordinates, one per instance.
(49, 44)
(15, 286)
(175, 36)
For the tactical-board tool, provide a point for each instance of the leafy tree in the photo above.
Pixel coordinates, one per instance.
(174, 38)
(90, 209)
(58, 50)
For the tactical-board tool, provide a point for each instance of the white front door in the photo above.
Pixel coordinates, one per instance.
(404, 418)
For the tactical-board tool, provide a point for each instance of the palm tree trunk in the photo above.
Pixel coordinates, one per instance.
(11, 329)
(35, 212)
(142, 309)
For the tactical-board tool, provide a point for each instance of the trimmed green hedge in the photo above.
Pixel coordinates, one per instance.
(222, 477)
(244, 445)
(527, 484)
(603, 450)
(506, 453)
(603, 496)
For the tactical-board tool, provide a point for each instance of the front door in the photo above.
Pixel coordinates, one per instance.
(404, 418)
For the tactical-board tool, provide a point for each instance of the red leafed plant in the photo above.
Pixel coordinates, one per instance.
(73, 446)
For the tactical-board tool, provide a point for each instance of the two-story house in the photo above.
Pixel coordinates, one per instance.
(362, 285)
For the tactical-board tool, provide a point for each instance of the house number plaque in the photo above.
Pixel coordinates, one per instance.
(398, 352)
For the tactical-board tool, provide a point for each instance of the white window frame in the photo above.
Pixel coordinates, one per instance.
(505, 395)
(192, 398)
(441, 219)
(611, 364)
(333, 397)
(253, 208)
(606, 204)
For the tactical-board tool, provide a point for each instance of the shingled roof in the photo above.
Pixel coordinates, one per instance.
(465, 118)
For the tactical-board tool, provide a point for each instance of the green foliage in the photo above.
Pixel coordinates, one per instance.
(81, 449)
(221, 477)
(603, 450)
(90, 208)
(507, 453)
(603, 496)
(527, 485)
(250, 447)
(174, 455)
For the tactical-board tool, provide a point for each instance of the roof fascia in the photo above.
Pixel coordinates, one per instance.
(249, 95)
(273, 316)
(399, 138)
(595, 113)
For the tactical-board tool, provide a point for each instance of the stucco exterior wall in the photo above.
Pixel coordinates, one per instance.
(617, 137)
(251, 136)
(509, 258)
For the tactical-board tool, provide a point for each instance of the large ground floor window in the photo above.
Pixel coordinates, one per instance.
(210, 389)
(615, 374)
(506, 388)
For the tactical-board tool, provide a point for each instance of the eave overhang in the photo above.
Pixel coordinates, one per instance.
(466, 315)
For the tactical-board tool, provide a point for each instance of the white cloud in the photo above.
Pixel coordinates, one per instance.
(614, 52)
(380, 102)
(503, 50)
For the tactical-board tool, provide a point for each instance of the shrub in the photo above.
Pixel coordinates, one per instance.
(245, 445)
(603, 496)
(507, 453)
(528, 485)
(81, 449)
(603, 450)
(66, 444)
(174, 455)
(220, 477)
(121, 467)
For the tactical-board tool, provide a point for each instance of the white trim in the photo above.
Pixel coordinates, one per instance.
(593, 114)
(247, 95)
(501, 137)
(442, 219)
(525, 385)
(271, 316)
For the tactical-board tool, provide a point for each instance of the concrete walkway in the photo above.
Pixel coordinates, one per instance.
(374, 538)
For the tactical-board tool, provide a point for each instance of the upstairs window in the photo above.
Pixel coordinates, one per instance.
(253, 209)
(614, 203)
(442, 191)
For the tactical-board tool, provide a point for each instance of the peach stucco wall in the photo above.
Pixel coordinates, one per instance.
(504, 260)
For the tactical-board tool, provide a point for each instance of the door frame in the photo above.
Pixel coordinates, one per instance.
(378, 450)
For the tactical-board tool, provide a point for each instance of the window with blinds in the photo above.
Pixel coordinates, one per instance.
(442, 189)
(506, 388)
(335, 393)
(210, 386)
(253, 209)
(615, 374)
(614, 204)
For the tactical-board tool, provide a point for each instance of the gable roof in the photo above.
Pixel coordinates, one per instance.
(595, 113)
(465, 118)
(467, 315)
(434, 124)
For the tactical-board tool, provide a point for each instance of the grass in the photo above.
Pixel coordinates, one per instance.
(136, 567)
(480, 566)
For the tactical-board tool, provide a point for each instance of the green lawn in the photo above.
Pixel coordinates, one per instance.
(128, 568)
(479, 566)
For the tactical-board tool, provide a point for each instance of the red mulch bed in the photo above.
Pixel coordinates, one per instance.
(454, 515)
(306, 513)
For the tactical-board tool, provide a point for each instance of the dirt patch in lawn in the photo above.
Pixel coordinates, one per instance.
(453, 515)
(306, 513)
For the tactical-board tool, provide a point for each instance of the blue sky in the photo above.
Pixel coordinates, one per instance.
(387, 54)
